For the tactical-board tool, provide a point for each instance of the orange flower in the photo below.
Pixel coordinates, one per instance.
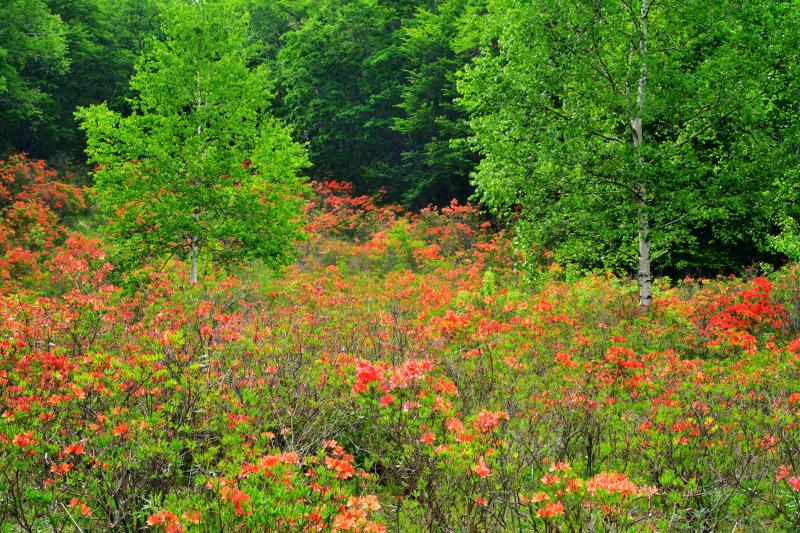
(783, 471)
(344, 469)
(487, 421)
(368, 502)
(81, 506)
(167, 520)
(25, 439)
(616, 483)
(550, 510)
(193, 517)
(238, 497)
(550, 479)
(481, 468)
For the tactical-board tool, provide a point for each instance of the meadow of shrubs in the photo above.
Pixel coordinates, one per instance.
(405, 374)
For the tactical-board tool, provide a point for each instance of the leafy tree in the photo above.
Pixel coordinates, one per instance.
(64, 54)
(784, 118)
(271, 20)
(341, 79)
(200, 165)
(32, 44)
(104, 38)
(437, 159)
(342, 75)
(631, 132)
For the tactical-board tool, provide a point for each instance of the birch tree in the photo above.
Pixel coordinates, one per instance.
(200, 169)
(629, 133)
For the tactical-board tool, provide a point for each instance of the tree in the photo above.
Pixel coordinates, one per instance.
(342, 73)
(200, 167)
(785, 118)
(56, 55)
(628, 132)
(436, 45)
(272, 20)
(104, 38)
(32, 44)
(341, 79)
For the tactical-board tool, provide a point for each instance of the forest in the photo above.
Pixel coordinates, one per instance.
(399, 265)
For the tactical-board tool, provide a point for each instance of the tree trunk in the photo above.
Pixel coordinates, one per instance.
(195, 253)
(644, 274)
(195, 212)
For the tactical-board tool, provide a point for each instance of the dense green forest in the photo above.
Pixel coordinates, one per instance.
(646, 139)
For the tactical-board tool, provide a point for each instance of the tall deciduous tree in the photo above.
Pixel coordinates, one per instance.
(200, 168)
(630, 131)
(436, 44)
(104, 38)
(341, 74)
(32, 45)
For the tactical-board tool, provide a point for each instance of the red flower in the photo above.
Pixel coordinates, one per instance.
(386, 400)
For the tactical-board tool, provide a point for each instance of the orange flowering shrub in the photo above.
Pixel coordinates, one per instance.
(403, 375)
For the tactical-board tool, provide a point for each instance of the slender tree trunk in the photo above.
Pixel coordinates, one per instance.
(195, 213)
(644, 274)
(195, 253)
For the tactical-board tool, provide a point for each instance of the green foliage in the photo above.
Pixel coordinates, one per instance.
(341, 76)
(32, 46)
(270, 21)
(437, 159)
(200, 164)
(104, 38)
(553, 100)
(788, 241)
(56, 55)
(371, 86)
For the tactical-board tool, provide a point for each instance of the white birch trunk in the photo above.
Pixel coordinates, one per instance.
(195, 253)
(195, 214)
(644, 274)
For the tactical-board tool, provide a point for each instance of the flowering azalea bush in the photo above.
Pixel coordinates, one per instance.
(403, 375)
(36, 250)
